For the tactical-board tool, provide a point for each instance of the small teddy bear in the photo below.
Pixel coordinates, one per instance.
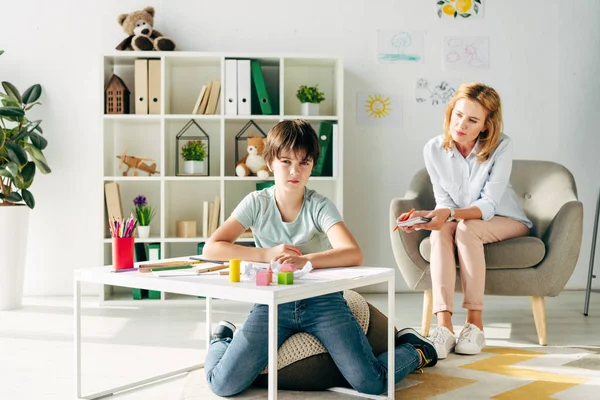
(139, 25)
(253, 162)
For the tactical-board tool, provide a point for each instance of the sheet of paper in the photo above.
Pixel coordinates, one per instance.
(188, 272)
(343, 273)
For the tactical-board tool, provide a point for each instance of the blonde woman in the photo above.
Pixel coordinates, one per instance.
(469, 166)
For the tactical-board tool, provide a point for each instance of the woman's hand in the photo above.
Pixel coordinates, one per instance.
(298, 261)
(282, 250)
(438, 219)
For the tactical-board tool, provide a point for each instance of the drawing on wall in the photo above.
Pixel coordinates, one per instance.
(466, 52)
(434, 92)
(459, 8)
(399, 46)
(378, 109)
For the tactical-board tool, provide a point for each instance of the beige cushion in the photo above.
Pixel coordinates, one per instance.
(517, 253)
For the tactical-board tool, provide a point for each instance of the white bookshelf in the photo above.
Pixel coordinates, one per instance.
(181, 197)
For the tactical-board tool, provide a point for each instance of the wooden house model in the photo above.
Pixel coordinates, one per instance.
(116, 96)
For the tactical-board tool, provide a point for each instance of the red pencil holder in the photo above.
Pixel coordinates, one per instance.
(122, 253)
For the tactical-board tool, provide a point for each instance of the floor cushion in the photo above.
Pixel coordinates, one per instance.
(304, 364)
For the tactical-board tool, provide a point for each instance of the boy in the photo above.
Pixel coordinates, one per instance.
(293, 224)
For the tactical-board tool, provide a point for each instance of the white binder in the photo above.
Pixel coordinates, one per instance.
(231, 96)
(141, 86)
(243, 80)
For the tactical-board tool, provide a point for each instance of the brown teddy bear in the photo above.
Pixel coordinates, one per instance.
(139, 25)
(253, 162)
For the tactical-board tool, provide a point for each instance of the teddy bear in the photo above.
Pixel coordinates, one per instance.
(253, 162)
(139, 25)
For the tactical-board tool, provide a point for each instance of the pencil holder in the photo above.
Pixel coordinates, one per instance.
(122, 253)
(234, 270)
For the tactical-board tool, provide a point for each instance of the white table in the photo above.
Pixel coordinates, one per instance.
(216, 286)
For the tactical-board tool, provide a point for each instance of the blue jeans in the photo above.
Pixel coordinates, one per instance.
(232, 365)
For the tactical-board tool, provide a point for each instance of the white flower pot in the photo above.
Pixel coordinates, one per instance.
(310, 109)
(143, 232)
(14, 221)
(193, 167)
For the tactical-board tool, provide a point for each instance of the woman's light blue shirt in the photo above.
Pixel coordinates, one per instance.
(460, 182)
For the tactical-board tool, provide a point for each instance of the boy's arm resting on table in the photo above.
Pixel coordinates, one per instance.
(345, 251)
(220, 245)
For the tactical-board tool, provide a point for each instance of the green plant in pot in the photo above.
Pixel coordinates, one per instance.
(193, 153)
(21, 155)
(310, 97)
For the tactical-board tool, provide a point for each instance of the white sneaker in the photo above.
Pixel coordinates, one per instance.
(443, 340)
(470, 341)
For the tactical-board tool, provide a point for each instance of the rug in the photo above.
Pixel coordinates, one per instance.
(503, 373)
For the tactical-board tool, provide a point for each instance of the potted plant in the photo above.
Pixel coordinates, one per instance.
(143, 214)
(310, 97)
(193, 153)
(21, 154)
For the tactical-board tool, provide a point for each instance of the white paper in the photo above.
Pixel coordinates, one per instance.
(344, 273)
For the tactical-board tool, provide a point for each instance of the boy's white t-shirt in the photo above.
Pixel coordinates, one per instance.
(259, 212)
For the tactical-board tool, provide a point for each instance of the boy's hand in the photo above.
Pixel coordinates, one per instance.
(281, 250)
(298, 261)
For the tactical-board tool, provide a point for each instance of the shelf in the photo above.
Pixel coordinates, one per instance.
(179, 197)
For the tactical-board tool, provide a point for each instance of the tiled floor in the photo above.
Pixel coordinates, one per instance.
(133, 340)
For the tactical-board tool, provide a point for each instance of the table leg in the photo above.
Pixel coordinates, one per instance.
(77, 338)
(391, 336)
(208, 320)
(272, 351)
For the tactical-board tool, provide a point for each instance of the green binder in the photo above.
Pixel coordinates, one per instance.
(141, 256)
(324, 165)
(261, 88)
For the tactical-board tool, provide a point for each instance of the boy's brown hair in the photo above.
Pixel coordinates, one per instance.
(292, 136)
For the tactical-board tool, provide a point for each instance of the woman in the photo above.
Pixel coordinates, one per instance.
(469, 166)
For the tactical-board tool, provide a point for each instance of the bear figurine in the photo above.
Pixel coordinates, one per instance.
(139, 25)
(253, 162)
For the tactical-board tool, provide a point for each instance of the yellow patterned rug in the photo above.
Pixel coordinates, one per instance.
(503, 373)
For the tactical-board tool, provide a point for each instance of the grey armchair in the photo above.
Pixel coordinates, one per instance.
(538, 265)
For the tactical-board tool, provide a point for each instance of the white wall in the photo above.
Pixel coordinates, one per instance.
(542, 61)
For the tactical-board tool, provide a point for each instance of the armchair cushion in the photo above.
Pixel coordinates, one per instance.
(517, 253)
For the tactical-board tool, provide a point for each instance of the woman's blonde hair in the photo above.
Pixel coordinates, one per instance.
(489, 99)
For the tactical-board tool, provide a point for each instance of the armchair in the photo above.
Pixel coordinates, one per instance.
(538, 265)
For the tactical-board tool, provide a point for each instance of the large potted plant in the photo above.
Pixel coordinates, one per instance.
(193, 153)
(21, 146)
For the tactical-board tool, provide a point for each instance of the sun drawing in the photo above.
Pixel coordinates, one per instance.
(378, 106)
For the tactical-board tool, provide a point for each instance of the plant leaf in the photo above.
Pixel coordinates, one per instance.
(15, 152)
(19, 182)
(38, 158)
(38, 141)
(28, 197)
(14, 197)
(475, 8)
(440, 2)
(455, 13)
(10, 170)
(12, 91)
(465, 15)
(2, 196)
(21, 135)
(11, 111)
(478, 1)
(28, 173)
(440, 13)
(32, 94)
(29, 107)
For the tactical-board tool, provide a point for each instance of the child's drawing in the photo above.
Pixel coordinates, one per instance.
(466, 52)
(378, 109)
(399, 46)
(434, 93)
(459, 8)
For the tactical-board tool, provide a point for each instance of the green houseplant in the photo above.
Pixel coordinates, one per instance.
(21, 154)
(193, 153)
(310, 97)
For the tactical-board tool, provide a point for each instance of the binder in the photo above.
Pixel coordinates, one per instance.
(196, 109)
(231, 87)
(323, 166)
(153, 251)
(261, 89)
(205, 217)
(204, 102)
(243, 87)
(113, 200)
(154, 95)
(215, 91)
(141, 86)
(215, 218)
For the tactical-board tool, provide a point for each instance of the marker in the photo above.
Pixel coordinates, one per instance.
(405, 218)
(124, 270)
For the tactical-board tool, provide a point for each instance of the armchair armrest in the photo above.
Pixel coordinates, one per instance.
(563, 244)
